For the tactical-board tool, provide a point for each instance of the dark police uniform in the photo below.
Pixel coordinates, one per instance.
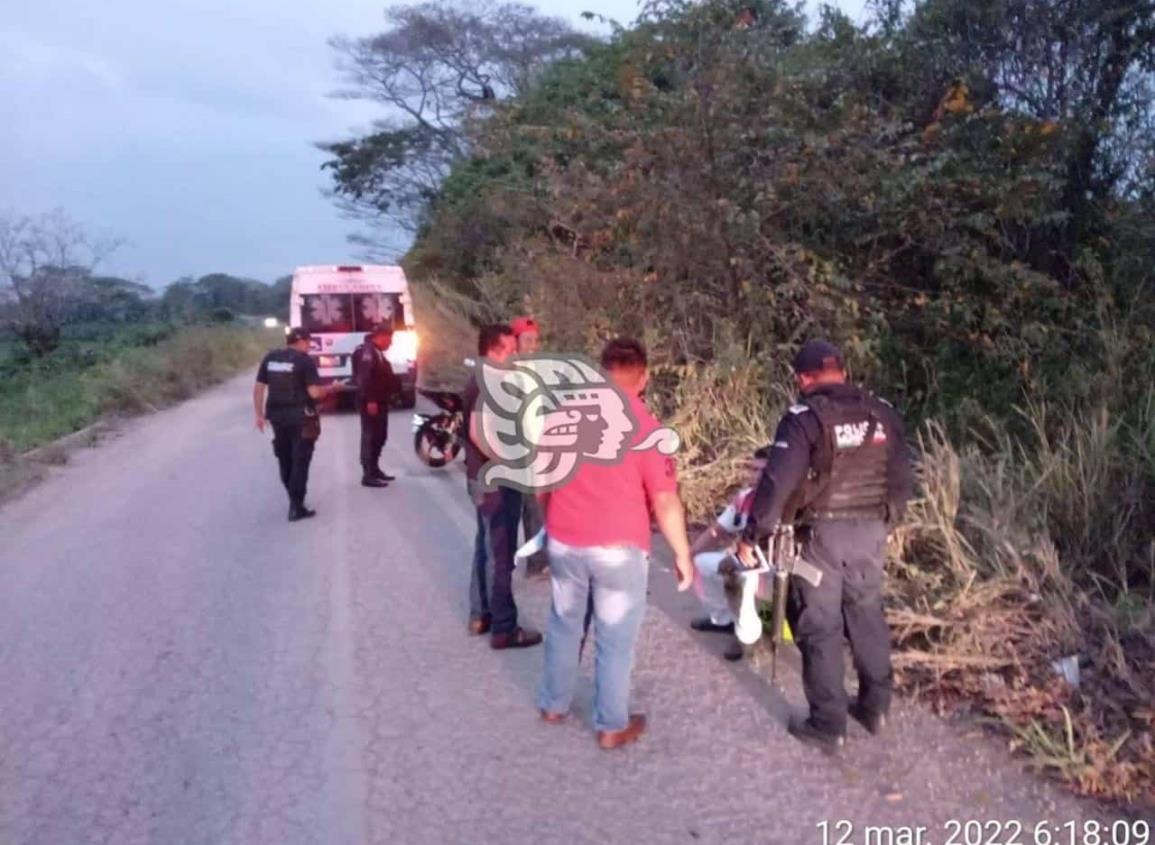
(288, 374)
(840, 470)
(376, 382)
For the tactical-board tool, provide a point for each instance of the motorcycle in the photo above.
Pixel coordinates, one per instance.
(439, 438)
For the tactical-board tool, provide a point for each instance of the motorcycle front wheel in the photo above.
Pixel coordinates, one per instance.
(435, 447)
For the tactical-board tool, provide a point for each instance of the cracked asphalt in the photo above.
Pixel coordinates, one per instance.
(180, 665)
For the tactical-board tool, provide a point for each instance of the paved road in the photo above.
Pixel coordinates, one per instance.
(180, 665)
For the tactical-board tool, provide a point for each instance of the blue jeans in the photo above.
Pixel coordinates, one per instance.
(491, 581)
(617, 578)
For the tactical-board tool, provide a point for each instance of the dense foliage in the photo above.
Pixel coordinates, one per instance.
(931, 190)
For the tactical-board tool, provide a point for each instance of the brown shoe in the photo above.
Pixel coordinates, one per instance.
(553, 718)
(518, 638)
(477, 627)
(628, 734)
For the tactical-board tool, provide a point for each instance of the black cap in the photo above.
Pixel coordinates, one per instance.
(817, 355)
(296, 336)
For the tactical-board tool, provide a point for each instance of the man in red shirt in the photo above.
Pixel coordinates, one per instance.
(598, 526)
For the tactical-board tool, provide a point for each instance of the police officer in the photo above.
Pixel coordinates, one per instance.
(377, 384)
(287, 387)
(840, 471)
(358, 355)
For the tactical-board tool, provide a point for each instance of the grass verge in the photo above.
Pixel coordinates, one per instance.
(43, 400)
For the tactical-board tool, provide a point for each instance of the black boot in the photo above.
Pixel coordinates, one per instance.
(803, 730)
(875, 723)
(372, 481)
(737, 650)
(298, 511)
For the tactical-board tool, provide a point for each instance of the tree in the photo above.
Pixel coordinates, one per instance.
(198, 299)
(109, 299)
(1085, 68)
(45, 262)
(434, 70)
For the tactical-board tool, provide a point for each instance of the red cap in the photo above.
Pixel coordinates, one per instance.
(521, 325)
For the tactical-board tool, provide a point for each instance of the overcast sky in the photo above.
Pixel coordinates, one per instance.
(186, 127)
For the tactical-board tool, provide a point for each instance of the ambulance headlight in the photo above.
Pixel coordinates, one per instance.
(404, 345)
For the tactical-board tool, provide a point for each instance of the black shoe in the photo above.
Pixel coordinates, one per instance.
(803, 731)
(875, 723)
(736, 651)
(383, 475)
(517, 638)
(299, 512)
(707, 625)
(370, 481)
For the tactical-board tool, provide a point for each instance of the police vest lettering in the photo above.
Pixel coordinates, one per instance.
(286, 378)
(853, 435)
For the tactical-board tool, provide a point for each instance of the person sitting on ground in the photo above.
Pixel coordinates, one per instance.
(715, 564)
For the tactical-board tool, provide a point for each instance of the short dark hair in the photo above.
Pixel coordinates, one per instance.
(624, 353)
(296, 336)
(762, 454)
(491, 335)
(818, 356)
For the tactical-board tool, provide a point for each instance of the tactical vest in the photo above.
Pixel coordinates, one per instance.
(849, 476)
(286, 382)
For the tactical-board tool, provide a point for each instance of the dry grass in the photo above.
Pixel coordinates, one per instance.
(197, 357)
(1018, 555)
(722, 413)
(446, 335)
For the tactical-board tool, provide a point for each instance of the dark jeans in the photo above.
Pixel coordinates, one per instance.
(491, 585)
(851, 555)
(294, 455)
(531, 521)
(374, 433)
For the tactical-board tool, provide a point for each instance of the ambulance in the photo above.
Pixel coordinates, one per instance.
(338, 305)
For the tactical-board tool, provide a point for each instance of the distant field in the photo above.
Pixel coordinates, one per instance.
(102, 369)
